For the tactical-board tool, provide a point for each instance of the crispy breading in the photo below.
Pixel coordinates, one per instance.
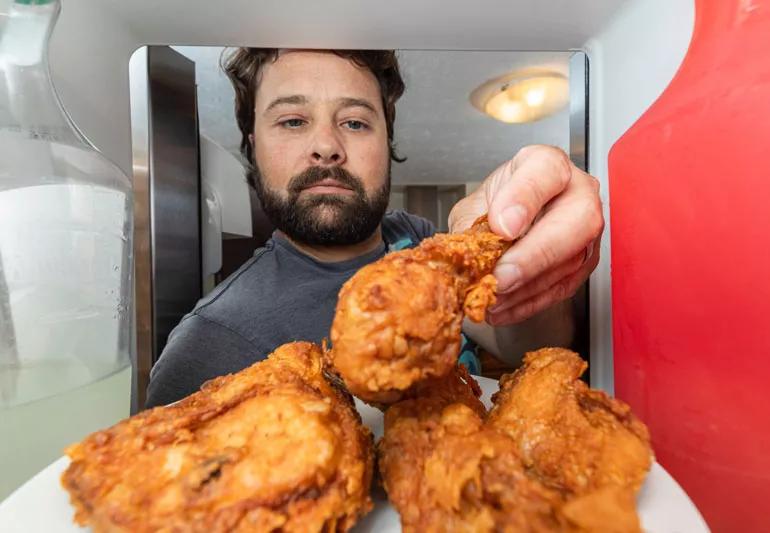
(444, 471)
(275, 446)
(448, 466)
(398, 320)
(572, 438)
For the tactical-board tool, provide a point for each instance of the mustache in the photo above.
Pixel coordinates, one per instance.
(314, 175)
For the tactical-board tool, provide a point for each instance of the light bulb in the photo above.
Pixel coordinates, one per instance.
(535, 97)
(524, 98)
(510, 111)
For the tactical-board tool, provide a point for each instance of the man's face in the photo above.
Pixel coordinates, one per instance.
(321, 148)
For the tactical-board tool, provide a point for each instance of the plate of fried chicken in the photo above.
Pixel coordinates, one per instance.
(283, 445)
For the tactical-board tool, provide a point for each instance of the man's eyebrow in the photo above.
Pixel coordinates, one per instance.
(295, 99)
(356, 102)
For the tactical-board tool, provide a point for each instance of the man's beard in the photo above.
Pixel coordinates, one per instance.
(324, 219)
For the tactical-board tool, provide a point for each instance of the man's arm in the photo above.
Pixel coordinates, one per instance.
(197, 350)
(553, 255)
(554, 326)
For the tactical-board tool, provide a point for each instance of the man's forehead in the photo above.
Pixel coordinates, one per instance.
(301, 57)
(314, 71)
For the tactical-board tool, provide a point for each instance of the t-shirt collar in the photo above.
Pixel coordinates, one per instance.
(335, 266)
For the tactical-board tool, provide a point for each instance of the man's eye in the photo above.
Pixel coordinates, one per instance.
(355, 125)
(292, 123)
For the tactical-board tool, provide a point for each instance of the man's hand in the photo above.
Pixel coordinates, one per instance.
(555, 209)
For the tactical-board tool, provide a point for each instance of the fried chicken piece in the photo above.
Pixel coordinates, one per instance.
(273, 447)
(444, 471)
(446, 468)
(574, 439)
(398, 320)
(458, 386)
(607, 510)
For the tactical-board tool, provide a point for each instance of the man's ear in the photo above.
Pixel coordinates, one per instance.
(251, 140)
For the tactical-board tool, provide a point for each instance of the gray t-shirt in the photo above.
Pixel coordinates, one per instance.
(278, 296)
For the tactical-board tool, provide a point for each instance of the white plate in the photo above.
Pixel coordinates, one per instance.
(41, 505)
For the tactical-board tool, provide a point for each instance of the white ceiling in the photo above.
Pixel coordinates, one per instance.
(444, 138)
(405, 24)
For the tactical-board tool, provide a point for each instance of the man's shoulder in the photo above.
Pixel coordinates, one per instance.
(399, 226)
(237, 289)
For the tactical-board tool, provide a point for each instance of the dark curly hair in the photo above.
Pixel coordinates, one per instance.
(244, 65)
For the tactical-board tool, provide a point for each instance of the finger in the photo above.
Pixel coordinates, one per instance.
(506, 299)
(570, 223)
(519, 191)
(465, 212)
(539, 284)
(534, 305)
(562, 290)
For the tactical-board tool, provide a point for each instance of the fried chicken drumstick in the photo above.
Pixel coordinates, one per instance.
(398, 320)
(273, 447)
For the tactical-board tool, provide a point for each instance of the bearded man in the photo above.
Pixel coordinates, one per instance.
(317, 131)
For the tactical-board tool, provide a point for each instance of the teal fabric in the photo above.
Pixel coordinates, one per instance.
(469, 357)
(401, 244)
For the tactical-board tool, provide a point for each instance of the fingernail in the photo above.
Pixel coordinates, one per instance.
(508, 277)
(589, 251)
(512, 219)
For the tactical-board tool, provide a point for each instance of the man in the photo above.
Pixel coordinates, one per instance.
(317, 131)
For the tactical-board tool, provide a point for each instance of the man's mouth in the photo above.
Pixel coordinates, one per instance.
(328, 186)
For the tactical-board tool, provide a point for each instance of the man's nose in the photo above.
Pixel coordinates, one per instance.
(327, 147)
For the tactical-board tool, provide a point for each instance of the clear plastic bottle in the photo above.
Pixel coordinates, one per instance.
(65, 261)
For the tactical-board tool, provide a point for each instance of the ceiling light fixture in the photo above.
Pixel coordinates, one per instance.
(522, 96)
